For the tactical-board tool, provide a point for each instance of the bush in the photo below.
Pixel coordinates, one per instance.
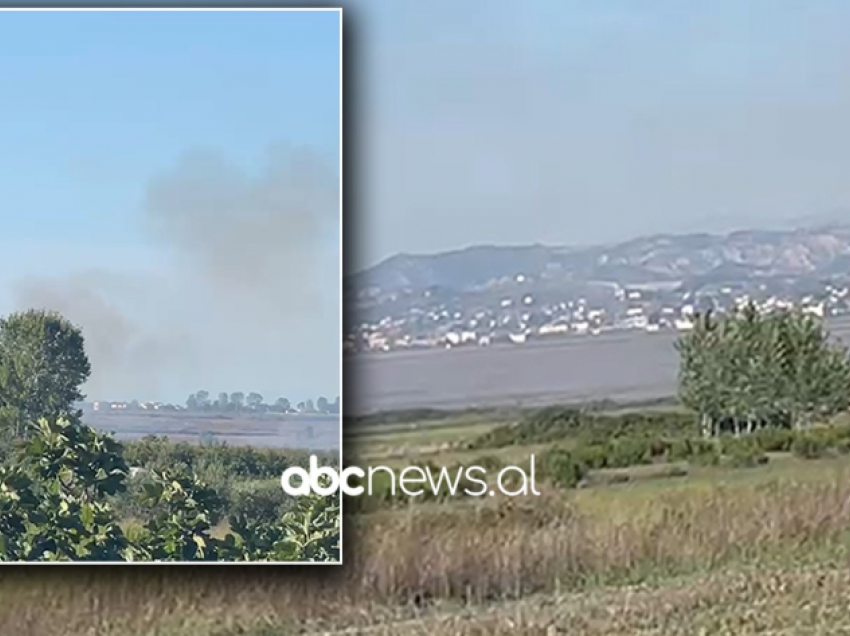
(559, 467)
(809, 445)
(262, 501)
(704, 453)
(627, 452)
(592, 456)
(658, 447)
(557, 423)
(158, 453)
(747, 456)
(774, 440)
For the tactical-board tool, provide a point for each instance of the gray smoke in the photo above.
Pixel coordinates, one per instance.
(252, 282)
(251, 240)
(127, 355)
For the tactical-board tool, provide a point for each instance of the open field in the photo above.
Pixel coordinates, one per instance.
(617, 366)
(311, 432)
(714, 550)
(764, 553)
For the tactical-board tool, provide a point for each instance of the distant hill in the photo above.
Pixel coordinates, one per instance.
(804, 252)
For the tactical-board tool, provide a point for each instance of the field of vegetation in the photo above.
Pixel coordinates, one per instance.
(726, 514)
(69, 493)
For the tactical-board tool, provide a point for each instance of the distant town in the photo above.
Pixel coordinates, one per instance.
(224, 403)
(486, 295)
(521, 316)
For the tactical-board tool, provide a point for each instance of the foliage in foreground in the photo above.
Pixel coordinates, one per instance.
(54, 506)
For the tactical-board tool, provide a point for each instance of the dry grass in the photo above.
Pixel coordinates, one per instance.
(486, 560)
(804, 601)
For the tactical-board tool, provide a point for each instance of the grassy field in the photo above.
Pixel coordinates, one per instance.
(713, 550)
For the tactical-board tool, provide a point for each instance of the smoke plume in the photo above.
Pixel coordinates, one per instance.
(251, 288)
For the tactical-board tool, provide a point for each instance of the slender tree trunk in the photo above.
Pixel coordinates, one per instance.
(706, 425)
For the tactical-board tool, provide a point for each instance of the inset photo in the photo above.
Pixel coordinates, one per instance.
(170, 303)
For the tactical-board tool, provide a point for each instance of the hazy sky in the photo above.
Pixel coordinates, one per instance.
(566, 122)
(131, 145)
(170, 182)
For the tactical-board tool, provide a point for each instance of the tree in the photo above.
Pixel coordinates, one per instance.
(749, 370)
(54, 506)
(43, 365)
(192, 403)
(254, 400)
(281, 405)
(309, 407)
(322, 404)
(237, 398)
(203, 399)
(222, 402)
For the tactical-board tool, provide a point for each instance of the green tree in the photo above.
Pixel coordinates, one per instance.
(254, 400)
(203, 400)
(747, 370)
(55, 506)
(43, 365)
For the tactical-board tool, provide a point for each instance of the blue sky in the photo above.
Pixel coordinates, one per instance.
(575, 122)
(96, 105)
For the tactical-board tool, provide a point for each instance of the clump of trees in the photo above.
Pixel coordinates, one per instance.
(748, 370)
(63, 485)
(238, 402)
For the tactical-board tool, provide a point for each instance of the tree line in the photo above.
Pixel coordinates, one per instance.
(238, 402)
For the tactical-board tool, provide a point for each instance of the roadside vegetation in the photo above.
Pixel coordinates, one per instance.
(70, 493)
(713, 516)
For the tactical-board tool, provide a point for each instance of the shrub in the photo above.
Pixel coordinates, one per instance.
(558, 423)
(774, 440)
(809, 445)
(559, 467)
(658, 447)
(680, 449)
(627, 452)
(704, 453)
(262, 501)
(592, 456)
(746, 456)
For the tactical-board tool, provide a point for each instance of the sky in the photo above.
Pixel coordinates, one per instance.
(130, 144)
(170, 182)
(572, 122)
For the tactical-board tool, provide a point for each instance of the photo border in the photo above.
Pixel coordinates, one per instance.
(200, 8)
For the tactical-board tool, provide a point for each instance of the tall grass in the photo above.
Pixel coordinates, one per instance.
(401, 563)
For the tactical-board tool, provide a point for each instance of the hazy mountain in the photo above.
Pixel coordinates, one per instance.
(802, 252)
